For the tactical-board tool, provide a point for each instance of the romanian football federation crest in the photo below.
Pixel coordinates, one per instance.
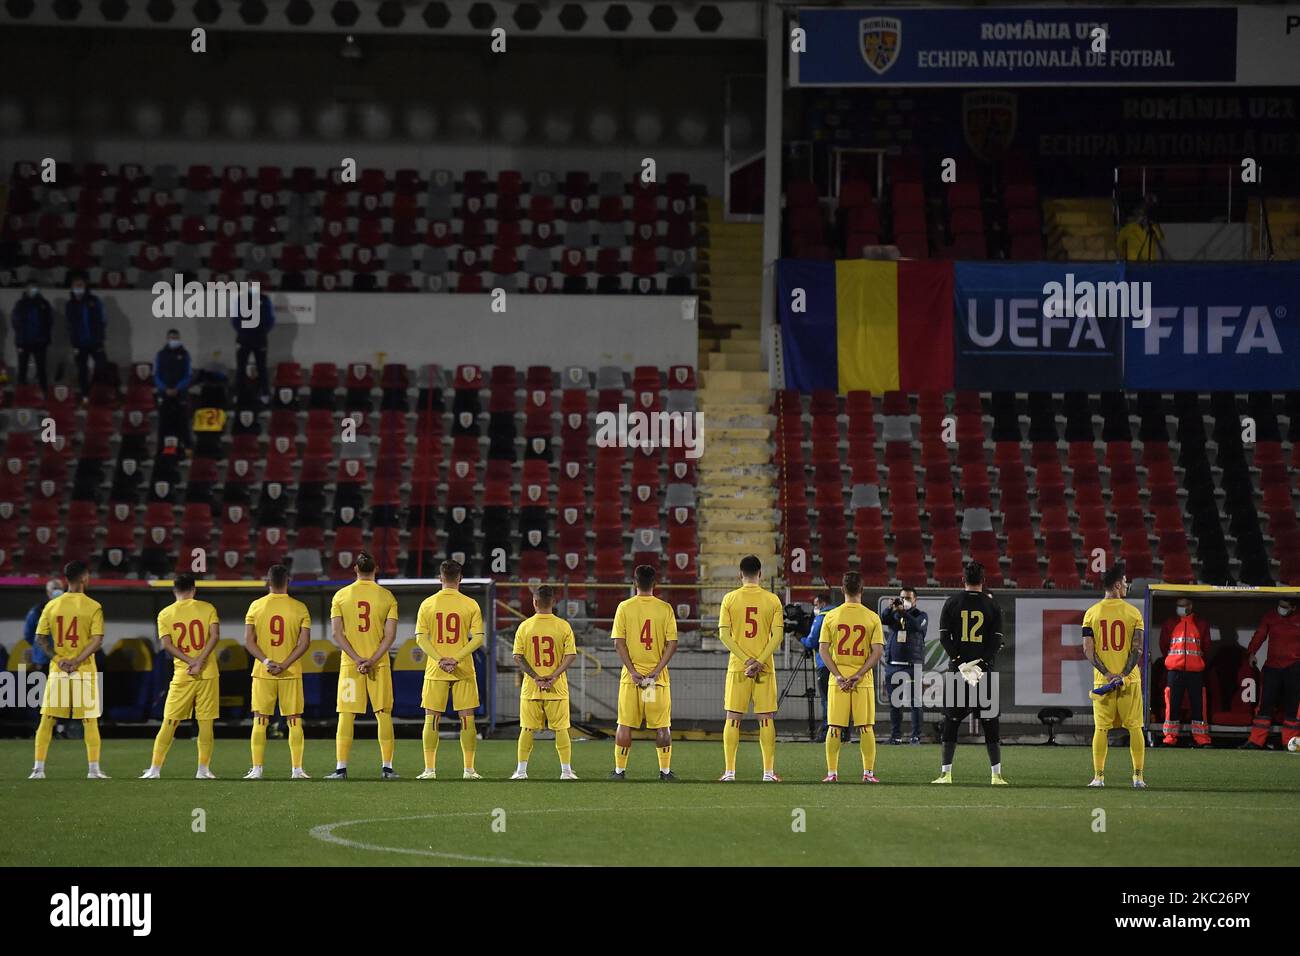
(988, 121)
(880, 39)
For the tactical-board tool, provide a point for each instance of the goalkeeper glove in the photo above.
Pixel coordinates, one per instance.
(971, 671)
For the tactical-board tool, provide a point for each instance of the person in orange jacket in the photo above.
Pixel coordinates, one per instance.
(1184, 642)
(1279, 679)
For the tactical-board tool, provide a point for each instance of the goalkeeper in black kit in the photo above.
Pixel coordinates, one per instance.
(970, 630)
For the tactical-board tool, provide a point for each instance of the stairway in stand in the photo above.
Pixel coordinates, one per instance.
(737, 480)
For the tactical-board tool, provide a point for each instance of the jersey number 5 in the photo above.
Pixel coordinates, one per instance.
(751, 622)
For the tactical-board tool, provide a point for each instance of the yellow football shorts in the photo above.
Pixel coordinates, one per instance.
(1119, 708)
(860, 703)
(72, 696)
(356, 689)
(653, 705)
(199, 698)
(741, 690)
(267, 691)
(538, 714)
(464, 695)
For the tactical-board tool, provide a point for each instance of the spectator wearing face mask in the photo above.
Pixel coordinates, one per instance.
(1185, 642)
(905, 626)
(87, 329)
(32, 320)
(41, 647)
(1279, 680)
(172, 375)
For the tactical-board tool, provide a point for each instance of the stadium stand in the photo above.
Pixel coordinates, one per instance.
(397, 230)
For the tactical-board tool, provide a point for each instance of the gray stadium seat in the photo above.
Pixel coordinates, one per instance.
(438, 208)
(306, 562)
(165, 177)
(976, 519)
(187, 259)
(680, 262)
(114, 257)
(538, 262)
(609, 376)
(612, 235)
(611, 184)
(543, 183)
(359, 449)
(896, 428)
(195, 204)
(575, 376)
(647, 539)
(679, 495)
(577, 235)
(400, 259)
(442, 182)
(864, 496)
(505, 280)
(681, 400)
(434, 260)
(257, 259)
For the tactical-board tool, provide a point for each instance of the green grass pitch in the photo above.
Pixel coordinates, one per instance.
(1203, 808)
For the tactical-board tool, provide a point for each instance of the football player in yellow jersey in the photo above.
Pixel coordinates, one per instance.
(751, 624)
(277, 631)
(544, 648)
(645, 636)
(363, 618)
(852, 642)
(189, 631)
(74, 624)
(449, 629)
(1112, 644)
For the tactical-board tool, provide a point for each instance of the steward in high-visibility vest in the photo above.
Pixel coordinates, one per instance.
(1185, 640)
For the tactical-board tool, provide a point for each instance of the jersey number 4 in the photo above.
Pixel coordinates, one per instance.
(646, 640)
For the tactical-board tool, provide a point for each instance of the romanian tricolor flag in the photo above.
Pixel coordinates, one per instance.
(862, 325)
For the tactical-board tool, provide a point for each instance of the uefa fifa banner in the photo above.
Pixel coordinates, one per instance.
(861, 325)
(1040, 327)
(1047, 46)
(1048, 652)
(1231, 328)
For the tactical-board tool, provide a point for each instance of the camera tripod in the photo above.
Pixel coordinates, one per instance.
(804, 667)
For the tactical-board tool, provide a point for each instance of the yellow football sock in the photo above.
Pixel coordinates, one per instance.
(1099, 747)
(206, 742)
(297, 742)
(258, 741)
(91, 725)
(767, 743)
(468, 741)
(665, 755)
(385, 721)
(1137, 748)
(564, 746)
(163, 742)
(44, 734)
(730, 744)
(525, 745)
(867, 742)
(620, 757)
(833, 743)
(343, 737)
(430, 737)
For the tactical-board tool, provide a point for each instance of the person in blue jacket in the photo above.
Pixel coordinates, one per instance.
(41, 647)
(905, 626)
(822, 603)
(172, 375)
(33, 321)
(87, 329)
(252, 341)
